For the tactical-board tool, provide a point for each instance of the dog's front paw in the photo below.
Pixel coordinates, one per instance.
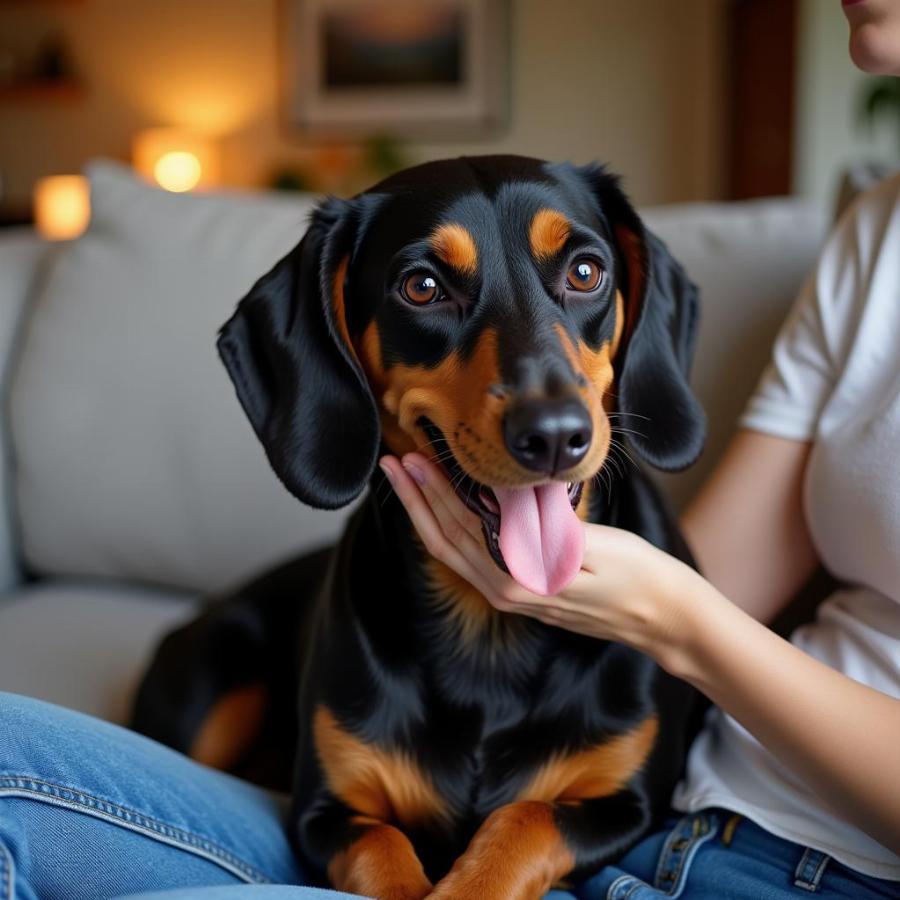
(387, 885)
(381, 864)
(482, 888)
(517, 854)
(403, 892)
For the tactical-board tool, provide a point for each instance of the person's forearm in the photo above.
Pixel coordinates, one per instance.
(841, 737)
(771, 524)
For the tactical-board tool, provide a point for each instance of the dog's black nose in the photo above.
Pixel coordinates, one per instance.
(548, 435)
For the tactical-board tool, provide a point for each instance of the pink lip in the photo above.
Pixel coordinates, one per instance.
(851, 2)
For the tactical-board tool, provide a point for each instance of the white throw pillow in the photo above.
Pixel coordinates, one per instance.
(133, 456)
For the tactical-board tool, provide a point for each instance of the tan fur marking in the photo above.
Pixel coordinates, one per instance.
(384, 785)
(466, 607)
(584, 504)
(337, 297)
(598, 772)
(548, 233)
(448, 394)
(382, 863)
(620, 325)
(597, 369)
(630, 246)
(518, 852)
(230, 728)
(369, 351)
(456, 247)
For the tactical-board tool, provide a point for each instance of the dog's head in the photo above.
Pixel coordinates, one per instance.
(492, 311)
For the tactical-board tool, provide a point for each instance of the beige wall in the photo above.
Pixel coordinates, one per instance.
(828, 135)
(632, 82)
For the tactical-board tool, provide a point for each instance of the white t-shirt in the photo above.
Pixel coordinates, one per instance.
(834, 380)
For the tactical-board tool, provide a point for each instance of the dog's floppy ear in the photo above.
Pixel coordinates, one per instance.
(287, 349)
(661, 321)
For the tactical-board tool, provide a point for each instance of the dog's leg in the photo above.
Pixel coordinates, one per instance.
(222, 688)
(381, 863)
(518, 853)
(523, 849)
(362, 854)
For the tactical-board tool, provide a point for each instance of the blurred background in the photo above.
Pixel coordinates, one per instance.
(131, 483)
(691, 100)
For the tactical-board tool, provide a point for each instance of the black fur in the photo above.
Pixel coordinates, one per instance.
(357, 628)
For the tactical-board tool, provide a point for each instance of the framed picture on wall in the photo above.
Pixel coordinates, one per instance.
(363, 66)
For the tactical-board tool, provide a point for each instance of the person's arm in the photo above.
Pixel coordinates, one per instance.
(747, 527)
(838, 736)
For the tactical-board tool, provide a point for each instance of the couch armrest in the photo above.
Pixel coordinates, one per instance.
(21, 255)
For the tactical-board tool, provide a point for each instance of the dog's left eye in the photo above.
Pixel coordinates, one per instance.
(421, 288)
(584, 275)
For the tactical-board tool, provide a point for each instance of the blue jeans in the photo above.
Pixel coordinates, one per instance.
(91, 810)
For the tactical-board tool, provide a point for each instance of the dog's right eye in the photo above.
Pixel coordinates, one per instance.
(421, 288)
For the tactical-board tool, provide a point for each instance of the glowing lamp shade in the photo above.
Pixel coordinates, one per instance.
(174, 159)
(62, 206)
(178, 170)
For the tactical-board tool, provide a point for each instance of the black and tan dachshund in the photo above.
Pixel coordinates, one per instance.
(496, 312)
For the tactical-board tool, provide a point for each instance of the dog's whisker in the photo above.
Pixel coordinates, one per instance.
(616, 415)
(614, 462)
(613, 443)
(618, 429)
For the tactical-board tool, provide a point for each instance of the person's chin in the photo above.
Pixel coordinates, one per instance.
(875, 48)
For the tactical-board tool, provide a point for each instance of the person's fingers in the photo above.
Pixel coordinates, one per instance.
(462, 527)
(462, 554)
(451, 512)
(420, 510)
(463, 549)
(452, 533)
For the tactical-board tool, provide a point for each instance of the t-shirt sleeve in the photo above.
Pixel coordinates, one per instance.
(796, 383)
(813, 343)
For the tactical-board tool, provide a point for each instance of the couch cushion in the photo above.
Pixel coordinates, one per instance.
(22, 253)
(748, 259)
(84, 645)
(134, 458)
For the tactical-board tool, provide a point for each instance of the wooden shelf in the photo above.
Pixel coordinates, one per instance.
(15, 218)
(34, 91)
(6, 4)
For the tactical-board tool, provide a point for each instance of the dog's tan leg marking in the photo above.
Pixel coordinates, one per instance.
(230, 728)
(383, 785)
(381, 864)
(517, 854)
(598, 772)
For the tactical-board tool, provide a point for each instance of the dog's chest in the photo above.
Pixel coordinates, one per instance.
(571, 731)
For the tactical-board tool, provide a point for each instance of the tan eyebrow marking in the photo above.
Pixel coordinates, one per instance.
(456, 247)
(548, 232)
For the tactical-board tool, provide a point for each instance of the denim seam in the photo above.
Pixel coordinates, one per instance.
(674, 835)
(7, 870)
(631, 880)
(810, 882)
(79, 801)
(704, 828)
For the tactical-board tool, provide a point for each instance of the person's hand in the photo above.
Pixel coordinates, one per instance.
(627, 589)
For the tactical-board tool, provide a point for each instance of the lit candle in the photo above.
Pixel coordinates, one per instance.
(174, 159)
(62, 206)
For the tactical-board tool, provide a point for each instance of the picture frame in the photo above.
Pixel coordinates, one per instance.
(437, 68)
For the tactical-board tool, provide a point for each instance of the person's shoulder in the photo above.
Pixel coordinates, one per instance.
(880, 203)
(868, 227)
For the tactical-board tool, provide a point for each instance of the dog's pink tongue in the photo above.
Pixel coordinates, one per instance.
(541, 538)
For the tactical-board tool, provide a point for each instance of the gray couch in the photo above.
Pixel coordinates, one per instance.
(133, 483)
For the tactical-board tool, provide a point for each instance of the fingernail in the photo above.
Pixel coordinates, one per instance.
(417, 474)
(387, 472)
